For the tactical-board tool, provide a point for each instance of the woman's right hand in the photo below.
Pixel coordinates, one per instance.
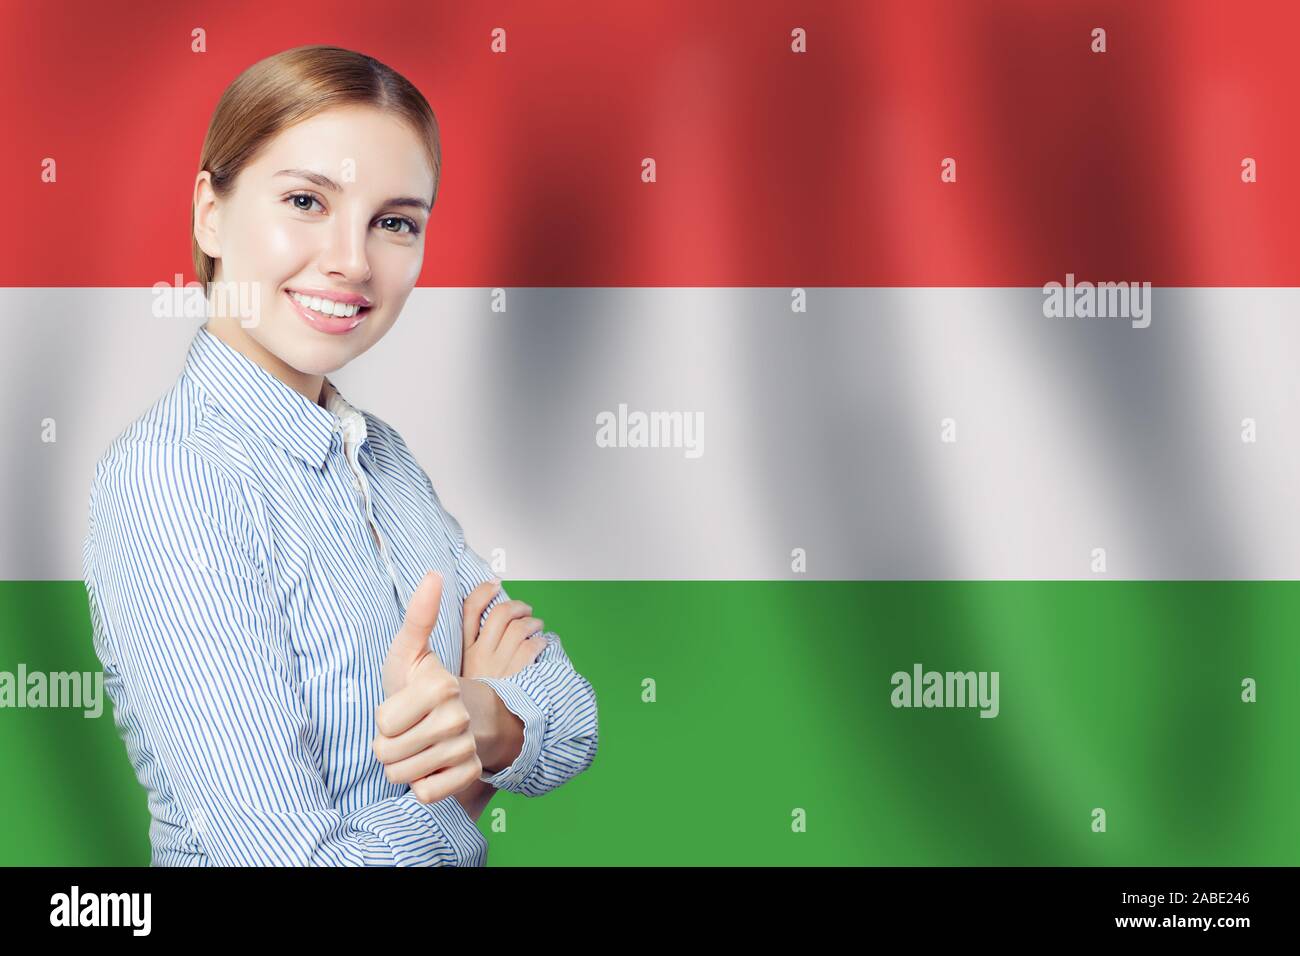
(503, 646)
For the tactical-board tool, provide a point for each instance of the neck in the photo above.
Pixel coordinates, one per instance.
(236, 336)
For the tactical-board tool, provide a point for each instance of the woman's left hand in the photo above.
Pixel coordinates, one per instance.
(504, 656)
(503, 647)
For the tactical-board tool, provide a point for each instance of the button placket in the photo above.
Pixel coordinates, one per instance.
(361, 487)
(350, 425)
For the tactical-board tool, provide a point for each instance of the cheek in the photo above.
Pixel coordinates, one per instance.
(394, 272)
(282, 240)
(263, 244)
(376, 332)
(397, 268)
(413, 269)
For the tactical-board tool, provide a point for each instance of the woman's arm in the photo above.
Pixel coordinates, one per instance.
(555, 704)
(174, 573)
(484, 708)
(475, 798)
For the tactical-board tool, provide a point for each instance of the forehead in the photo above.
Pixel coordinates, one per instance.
(361, 148)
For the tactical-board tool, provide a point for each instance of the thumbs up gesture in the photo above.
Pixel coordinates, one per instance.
(425, 737)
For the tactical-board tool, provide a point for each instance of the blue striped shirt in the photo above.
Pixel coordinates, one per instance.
(249, 558)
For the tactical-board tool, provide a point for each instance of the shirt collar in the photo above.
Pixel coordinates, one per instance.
(352, 421)
(260, 402)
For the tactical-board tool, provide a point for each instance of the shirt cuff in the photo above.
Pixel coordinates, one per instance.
(403, 824)
(471, 845)
(533, 714)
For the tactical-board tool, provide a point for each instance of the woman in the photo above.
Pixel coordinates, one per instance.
(266, 564)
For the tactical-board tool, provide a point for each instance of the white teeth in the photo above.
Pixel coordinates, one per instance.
(326, 306)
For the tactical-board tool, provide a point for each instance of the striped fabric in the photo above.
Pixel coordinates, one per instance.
(242, 611)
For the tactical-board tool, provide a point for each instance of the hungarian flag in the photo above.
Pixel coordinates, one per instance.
(892, 406)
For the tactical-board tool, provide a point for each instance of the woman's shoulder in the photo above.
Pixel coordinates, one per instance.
(169, 442)
(162, 501)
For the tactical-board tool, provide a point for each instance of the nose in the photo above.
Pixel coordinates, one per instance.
(344, 255)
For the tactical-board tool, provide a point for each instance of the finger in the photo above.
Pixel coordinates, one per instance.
(500, 616)
(443, 755)
(408, 706)
(475, 605)
(412, 639)
(435, 727)
(528, 652)
(444, 783)
(516, 633)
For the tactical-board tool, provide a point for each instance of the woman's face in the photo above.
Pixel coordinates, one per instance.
(334, 206)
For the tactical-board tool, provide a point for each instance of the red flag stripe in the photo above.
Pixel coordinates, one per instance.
(774, 168)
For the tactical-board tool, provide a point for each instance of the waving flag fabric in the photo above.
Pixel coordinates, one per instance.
(782, 356)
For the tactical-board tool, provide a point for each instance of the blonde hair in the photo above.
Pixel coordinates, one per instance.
(292, 86)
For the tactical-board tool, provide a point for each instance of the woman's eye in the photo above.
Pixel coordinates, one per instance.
(294, 199)
(411, 227)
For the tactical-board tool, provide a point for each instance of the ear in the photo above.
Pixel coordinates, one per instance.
(206, 215)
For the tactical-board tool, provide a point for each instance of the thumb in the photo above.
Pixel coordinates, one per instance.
(411, 642)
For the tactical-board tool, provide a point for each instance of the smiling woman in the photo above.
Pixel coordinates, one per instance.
(265, 562)
(317, 177)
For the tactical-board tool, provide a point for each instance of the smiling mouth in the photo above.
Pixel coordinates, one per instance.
(328, 315)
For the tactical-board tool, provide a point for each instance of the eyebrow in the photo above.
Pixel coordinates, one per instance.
(326, 183)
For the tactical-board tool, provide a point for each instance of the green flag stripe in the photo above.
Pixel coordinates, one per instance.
(772, 704)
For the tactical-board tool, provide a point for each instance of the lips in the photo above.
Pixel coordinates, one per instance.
(329, 324)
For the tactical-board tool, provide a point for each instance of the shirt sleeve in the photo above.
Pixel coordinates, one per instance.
(556, 704)
(183, 608)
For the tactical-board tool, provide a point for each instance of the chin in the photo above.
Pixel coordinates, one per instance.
(310, 351)
(319, 359)
(299, 350)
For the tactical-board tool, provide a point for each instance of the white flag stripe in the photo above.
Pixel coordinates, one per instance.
(821, 430)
